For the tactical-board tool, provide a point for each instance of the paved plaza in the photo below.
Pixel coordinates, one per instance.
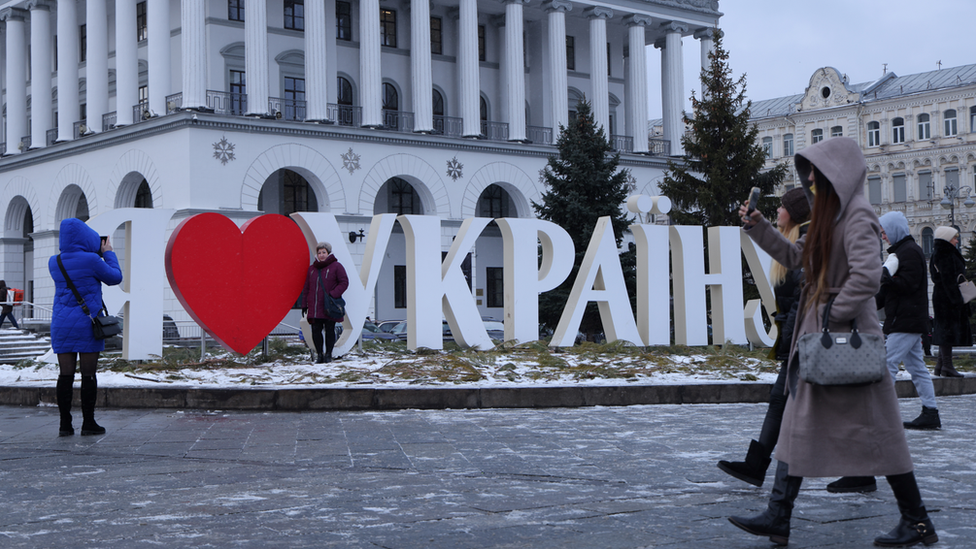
(590, 477)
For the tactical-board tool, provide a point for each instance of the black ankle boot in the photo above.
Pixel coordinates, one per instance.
(89, 392)
(852, 484)
(914, 527)
(753, 469)
(927, 420)
(64, 393)
(320, 359)
(775, 521)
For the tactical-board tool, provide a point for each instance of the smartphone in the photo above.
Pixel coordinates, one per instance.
(753, 200)
(104, 239)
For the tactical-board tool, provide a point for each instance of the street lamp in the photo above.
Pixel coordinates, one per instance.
(950, 193)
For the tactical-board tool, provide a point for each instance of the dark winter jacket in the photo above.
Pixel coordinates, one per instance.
(71, 328)
(787, 297)
(333, 279)
(951, 325)
(904, 296)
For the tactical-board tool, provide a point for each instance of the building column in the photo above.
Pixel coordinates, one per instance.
(370, 68)
(316, 62)
(469, 69)
(637, 81)
(96, 67)
(255, 57)
(420, 66)
(515, 68)
(559, 104)
(41, 106)
(194, 46)
(126, 62)
(157, 15)
(599, 76)
(16, 83)
(67, 69)
(673, 85)
(707, 38)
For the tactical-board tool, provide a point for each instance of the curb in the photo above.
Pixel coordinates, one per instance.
(436, 398)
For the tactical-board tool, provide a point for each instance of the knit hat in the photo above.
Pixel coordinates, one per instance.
(796, 204)
(945, 233)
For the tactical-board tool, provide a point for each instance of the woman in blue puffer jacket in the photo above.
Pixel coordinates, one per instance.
(89, 261)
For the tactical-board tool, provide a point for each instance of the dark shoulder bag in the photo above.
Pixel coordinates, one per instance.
(335, 307)
(104, 326)
(841, 358)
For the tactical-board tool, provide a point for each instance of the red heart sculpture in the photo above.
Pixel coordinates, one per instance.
(237, 283)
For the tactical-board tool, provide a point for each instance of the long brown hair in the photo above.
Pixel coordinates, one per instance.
(820, 236)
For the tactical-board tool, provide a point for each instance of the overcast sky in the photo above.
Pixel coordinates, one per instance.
(778, 44)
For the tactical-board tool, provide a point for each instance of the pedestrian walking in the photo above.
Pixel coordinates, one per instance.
(7, 309)
(951, 324)
(89, 262)
(852, 430)
(792, 220)
(326, 281)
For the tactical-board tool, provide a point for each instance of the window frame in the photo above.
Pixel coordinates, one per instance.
(899, 187)
(436, 35)
(767, 145)
(924, 127)
(897, 130)
(494, 287)
(874, 133)
(816, 136)
(235, 10)
(788, 145)
(950, 123)
(836, 131)
(142, 29)
(293, 19)
(344, 20)
(388, 28)
(875, 190)
(570, 53)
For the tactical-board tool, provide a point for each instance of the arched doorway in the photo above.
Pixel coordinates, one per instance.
(286, 192)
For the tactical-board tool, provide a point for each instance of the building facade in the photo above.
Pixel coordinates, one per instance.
(243, 107)
(917, 132)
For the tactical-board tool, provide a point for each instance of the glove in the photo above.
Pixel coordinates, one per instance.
(304, 311)
(891, 264)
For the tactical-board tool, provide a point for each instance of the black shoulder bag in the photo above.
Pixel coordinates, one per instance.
(104, 326)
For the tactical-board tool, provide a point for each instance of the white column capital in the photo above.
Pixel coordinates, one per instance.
(709, 33)
(39, 5)
(598, 12)
(670, 27)
(636, 19)
(13, 14)
(557, 5)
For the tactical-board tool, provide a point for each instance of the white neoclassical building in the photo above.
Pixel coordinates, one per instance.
(917, 132)
(355, 107)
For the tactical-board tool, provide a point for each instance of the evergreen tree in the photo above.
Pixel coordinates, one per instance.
(583, 184)
(969, 257)
(723, 159)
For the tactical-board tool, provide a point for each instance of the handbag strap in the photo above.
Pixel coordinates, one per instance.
(64, 272)
(826, 340)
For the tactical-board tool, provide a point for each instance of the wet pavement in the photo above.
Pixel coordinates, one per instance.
(592, 477)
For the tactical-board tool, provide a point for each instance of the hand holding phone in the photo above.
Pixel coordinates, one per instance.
(753, 200)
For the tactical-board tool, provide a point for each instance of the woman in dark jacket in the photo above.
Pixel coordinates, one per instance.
(792, 219)
(951, 327)
(89, 262)
(325, 276)
(7, 310)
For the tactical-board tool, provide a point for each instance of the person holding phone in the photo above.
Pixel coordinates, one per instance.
(836, 431)
(89, 262)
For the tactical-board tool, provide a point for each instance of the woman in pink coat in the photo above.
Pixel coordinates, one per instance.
(836, 431)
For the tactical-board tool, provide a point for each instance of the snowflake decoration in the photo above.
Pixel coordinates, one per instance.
(350, 161)
(454, 168)
(224, 150)
(631, 182)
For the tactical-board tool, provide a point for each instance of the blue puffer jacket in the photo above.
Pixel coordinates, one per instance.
(71, 329)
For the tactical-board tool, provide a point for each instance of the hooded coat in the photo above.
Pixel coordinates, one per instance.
(951, 325)
(71, 328)
(840, 430)
(905, 295)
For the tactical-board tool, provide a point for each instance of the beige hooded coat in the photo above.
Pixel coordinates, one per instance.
(839, 431)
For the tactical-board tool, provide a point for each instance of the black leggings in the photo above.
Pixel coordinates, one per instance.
(68, 361)
(318, 325)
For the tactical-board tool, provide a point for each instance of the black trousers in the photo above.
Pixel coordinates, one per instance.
(318, 325)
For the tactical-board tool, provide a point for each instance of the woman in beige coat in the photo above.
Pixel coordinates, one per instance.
(831, 431)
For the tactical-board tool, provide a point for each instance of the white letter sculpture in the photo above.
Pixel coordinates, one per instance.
(759, 263)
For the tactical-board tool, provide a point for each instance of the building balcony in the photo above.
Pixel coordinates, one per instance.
(345, 115)
(539, 134)
(51, 136)
(109, 120)
(622, 143)
(287, 109)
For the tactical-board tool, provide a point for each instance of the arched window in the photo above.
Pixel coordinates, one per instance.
(484, 110)
(345, 113)
(403, 198)
(391, 100)
(438, 104)
(874, 134)
(816, 136)
(949, 118)
(898, 130)
(837, 131)
(286, 192)
(924, 127)
(494, 202)
(344, 89)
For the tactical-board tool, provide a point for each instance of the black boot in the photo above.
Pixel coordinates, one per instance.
(915, 525)
(852, 484)
(320, 359)
(775, 521)
(938, 365)
(927, 420)
(89, 392)
(948, 370)
(753, 469)
(64, 393)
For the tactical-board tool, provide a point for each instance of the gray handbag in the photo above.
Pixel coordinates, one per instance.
(841, 358)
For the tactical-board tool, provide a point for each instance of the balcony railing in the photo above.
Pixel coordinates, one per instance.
(622, 143)
(290, 109)
(227, 102)
(659, 147)
(451, 126)
(538, 134)
(397, 121)
(494, 131)
(80, 129)
(140, 111)
(345, 115)
(25, 143)
(52, 136)
(174, 102)
(108, 121)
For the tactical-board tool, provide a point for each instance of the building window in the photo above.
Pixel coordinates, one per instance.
(837, 131)
(874, 190)
(436, 39)
(388, 29)
(816, 136)
(925, 186)
(438, 103)
(924, 127)
(295, 14)
(344, 91)
(899, 188)
(952, 177)
(235, 10)
(403, 198)
(294, 95)
(898, 130)
(972, 116)
(399, 286)
(874, 134)
(767, 145)
(238, 92)
(141, 29)
(343, 21)
(609, 63)
(143, 196)
(788, 144)
(928, 241)
(481, 43)
(571, 53)
(494, 287)
(493, 202)
(950, 123)
(83, 43)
